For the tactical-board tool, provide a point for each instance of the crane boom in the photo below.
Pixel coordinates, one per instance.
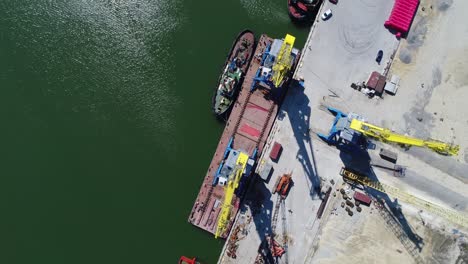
(455, 216)
(385, 135)
(283, 60)
(231, 186)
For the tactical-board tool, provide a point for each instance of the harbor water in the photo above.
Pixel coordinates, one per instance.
(107, 130)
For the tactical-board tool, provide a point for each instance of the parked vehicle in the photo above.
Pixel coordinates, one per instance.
(283, 184)
(327, 14)
(378, 59)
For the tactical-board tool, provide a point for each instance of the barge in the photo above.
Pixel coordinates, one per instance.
(245, 134)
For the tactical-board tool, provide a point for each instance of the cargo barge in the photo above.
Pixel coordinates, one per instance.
(245, 134)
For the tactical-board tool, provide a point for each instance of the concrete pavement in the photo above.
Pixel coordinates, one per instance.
(340, 51)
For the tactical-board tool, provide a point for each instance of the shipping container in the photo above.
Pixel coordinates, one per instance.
(362, 198)
(276, 151)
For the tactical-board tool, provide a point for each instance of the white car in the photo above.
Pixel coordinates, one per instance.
(327, 14)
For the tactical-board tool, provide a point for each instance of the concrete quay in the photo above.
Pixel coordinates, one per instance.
(430, 103)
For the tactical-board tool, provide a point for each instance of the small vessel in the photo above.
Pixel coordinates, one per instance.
(297, 10)
(186, 260)
(233, 73)
(302, 10)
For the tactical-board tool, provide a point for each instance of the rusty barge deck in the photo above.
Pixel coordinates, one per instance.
(248, 126)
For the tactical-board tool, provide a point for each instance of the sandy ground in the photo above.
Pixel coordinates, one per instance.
(361, 238)
(366, 237)
(432, 64)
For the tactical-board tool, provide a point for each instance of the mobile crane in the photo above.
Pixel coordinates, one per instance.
(345, 125)
(231, 186)
(385, 135)
(283, 61)
(276, 63)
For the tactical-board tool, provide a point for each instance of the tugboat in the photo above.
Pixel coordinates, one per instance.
(230, 81)
(186, 260)
(302, 10)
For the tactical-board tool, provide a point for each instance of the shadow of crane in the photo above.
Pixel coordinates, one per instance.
(358, 160)
(299, 116)
(259, 201)
(353, 147)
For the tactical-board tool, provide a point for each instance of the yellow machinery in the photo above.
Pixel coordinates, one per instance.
(452, 215)
(386, 135)
(231, 186)
(283, 61)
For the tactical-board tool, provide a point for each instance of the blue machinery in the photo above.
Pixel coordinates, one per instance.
(352, 128)
(225, 155)
(276, 63)
(258, 75)
(341, 134)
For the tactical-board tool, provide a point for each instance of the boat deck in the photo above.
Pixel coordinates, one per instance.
(249, 124)
(245, 35)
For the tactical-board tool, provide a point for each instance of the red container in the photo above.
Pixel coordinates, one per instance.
(276, 151)
(364, 199)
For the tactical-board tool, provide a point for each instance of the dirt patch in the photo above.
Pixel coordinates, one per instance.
(414, 40)
(418, 33)
(443, 5)
(463, 257)
(443, 247)
(466, 155)
(405, 56)
(419, 122)
(436, 77)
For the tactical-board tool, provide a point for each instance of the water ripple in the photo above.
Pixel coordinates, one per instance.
(104, 55)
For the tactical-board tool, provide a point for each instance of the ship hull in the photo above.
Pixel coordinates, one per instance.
(223, 114)
(297, 11)
(301, 12)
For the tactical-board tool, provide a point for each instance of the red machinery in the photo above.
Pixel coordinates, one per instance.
(283, 184)
(276, 249)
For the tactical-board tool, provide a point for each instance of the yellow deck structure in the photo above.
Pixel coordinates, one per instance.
(231, 186)
(385, 135)
(283, 60)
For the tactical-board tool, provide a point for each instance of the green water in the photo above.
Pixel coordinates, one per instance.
(106, 130)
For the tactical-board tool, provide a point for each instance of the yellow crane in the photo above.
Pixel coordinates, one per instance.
(385, 135)
(283, 61)
(231, 186)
